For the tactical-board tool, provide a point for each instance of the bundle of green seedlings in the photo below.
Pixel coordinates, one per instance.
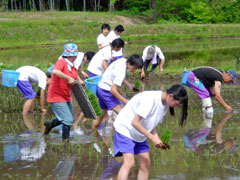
(137, 85)
(93, 100)
(166, 137)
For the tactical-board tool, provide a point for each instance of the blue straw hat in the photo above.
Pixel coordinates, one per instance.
(70, 49)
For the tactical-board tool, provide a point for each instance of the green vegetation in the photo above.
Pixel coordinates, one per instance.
(137, 84)
(56, 28)
(93, 99)
(191, 11)
(166, 136)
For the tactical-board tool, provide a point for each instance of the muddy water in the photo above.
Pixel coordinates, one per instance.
(196, 152)
(26, 154)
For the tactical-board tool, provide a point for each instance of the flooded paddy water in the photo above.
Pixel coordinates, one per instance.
(196, 152)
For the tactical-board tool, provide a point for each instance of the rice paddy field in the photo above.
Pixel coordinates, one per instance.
(26, 154)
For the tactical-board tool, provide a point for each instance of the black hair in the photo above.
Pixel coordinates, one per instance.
(89, 55)
(135, 60)
(119, 28)
(105, 26)
(118, 43)
(48, 74)
(179, 93)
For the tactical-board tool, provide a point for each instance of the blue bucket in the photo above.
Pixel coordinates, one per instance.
(91, 83)
(50, 69)
(10, 78)
(184, 78)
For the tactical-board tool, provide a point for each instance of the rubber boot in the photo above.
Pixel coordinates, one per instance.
(50, 124)
(207, 112)
(207, 107)
(65, 131)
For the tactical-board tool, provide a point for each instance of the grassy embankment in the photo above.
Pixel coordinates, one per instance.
(21, 30)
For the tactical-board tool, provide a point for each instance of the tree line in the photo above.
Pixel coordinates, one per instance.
(191, 11)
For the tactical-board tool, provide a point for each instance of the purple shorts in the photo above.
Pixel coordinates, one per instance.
(91, 74)
(25, 88)
(198, 87)
(123, 144)
(106, 99)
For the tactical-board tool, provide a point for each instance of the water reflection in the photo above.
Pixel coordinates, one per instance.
(204, 141)
(65, 167)
(109, 164)
(27, 146)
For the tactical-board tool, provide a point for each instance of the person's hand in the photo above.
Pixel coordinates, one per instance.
(70, 80)
(126, 101)
(161, 70)
(129, 42)
(157, 142)
(112, 59)
(229, 109)
(85, 74)
(131, 87)
(43, 110)
(82, 82)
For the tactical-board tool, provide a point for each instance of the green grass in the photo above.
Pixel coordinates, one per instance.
(39, 28)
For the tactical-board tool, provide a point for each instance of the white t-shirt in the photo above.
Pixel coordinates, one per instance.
(148, 105)
(33, 75)
(78, 61)
(103, 40)
(95, 65)
(158, 53)
(112, 36)
(114, 74)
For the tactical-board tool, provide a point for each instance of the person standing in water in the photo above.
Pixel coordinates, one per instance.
(206, 82)
(137, 122)
(64, 75)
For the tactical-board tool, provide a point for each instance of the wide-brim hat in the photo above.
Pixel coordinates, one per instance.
(70, 49)
(233, 74)
(150, 52)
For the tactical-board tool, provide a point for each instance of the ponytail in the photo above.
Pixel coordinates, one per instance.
(179, 93)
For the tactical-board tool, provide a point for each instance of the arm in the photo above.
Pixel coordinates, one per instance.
(161, 65)
(60, 74)
(42, 100)
(142, 73)
(130, 86)
(80, 80)
(83, 73)
(102, 46)
(219, 128)
(105, 64)
(216, 92)
(115, 93)
(153, 136)
(127, 42)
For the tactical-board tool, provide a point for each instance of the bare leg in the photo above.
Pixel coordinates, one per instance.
(75, 123)
(144, 161)
(27, 106)
(128, 163)
(117, 108)
(97, 122)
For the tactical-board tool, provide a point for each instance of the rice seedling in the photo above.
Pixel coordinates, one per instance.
(93, 99)
(166, 136)
(137, 85)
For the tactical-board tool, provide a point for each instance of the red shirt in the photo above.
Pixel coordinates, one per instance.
(59, 90)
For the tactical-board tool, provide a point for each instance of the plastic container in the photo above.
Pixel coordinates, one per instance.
(91, 83)
(10, 78)
(50, 69)
(184, 78)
